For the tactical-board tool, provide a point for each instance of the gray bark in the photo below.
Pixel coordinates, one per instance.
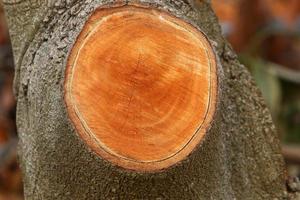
(239, 159)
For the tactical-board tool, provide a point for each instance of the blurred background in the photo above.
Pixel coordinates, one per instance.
(264, 33)
(266, 36)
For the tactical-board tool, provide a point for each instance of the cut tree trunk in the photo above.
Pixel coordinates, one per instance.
(153, 83)
(137, 100)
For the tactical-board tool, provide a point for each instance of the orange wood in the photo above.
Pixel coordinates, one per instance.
(141, 87)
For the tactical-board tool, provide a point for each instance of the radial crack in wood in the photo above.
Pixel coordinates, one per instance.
(141, 87)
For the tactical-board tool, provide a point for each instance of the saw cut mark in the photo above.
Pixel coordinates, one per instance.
(141, 87)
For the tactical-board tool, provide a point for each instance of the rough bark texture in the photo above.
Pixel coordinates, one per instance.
(239, 158)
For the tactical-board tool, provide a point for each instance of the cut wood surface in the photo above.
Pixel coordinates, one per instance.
(76, 138)
(141, 87)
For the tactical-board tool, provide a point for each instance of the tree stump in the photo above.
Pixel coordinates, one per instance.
(141, 87)
(137, 100)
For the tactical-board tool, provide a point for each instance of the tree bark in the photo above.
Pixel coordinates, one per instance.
(239, 158)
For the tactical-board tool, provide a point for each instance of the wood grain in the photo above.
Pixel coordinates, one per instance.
(141, 87)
